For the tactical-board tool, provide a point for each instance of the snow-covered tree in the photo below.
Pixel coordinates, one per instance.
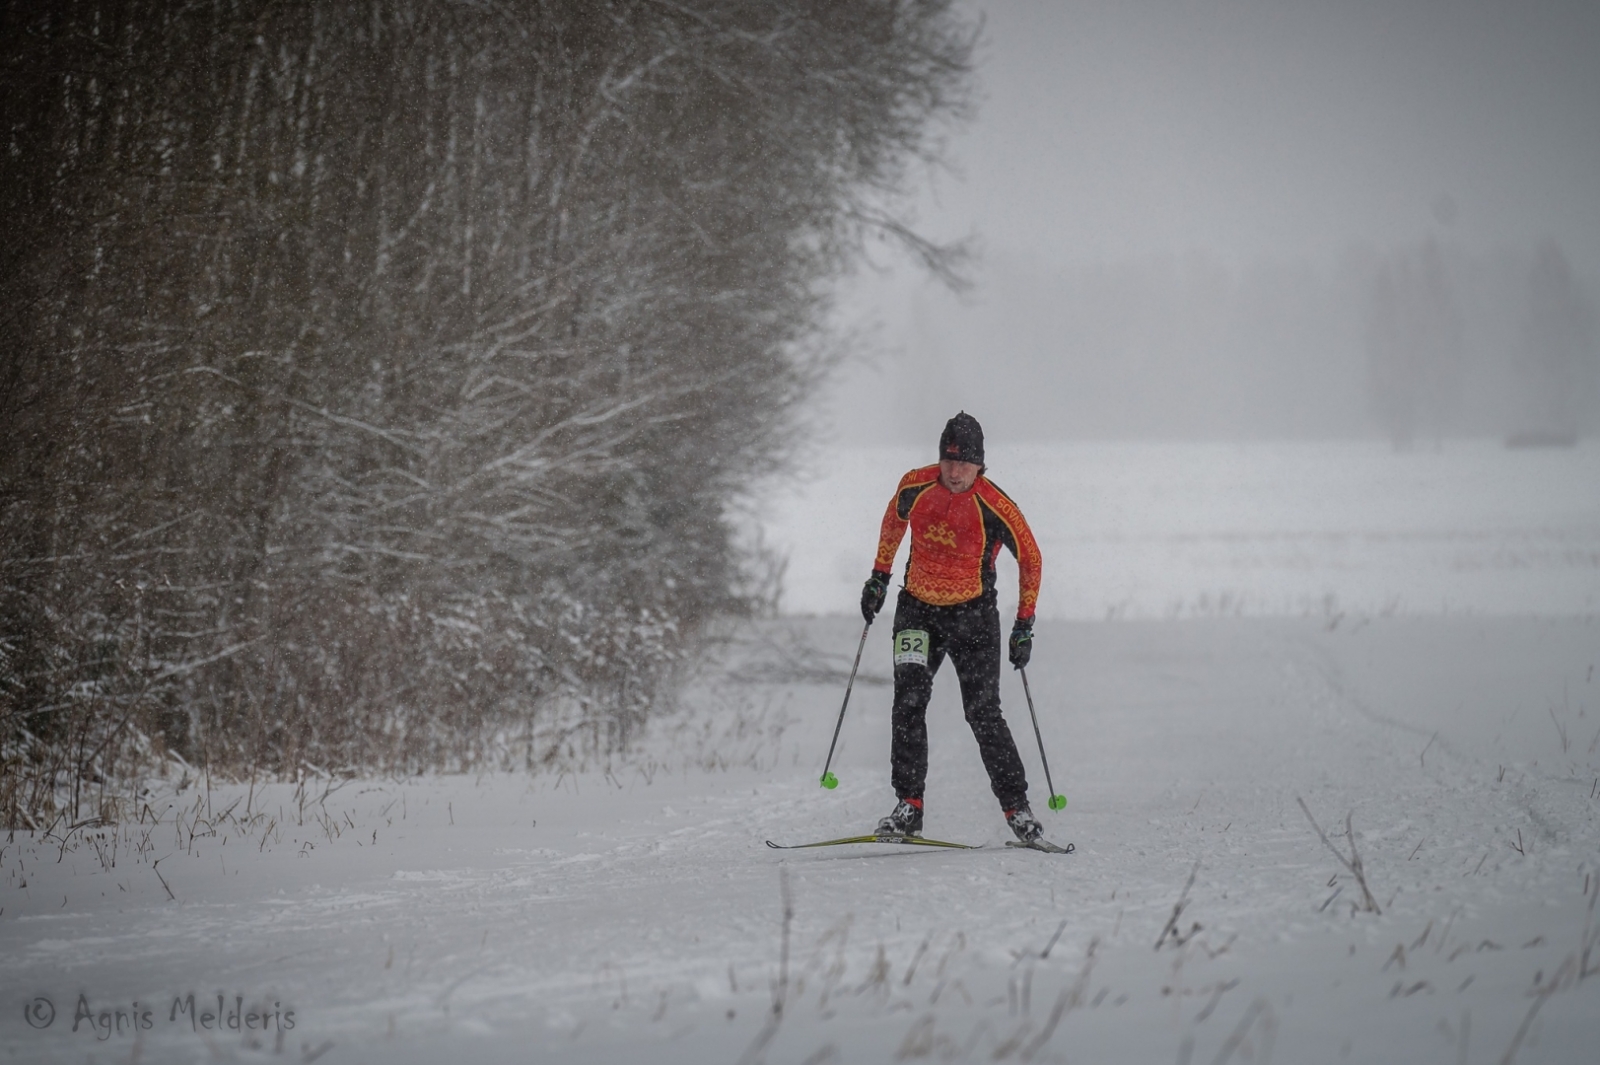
(377, 376)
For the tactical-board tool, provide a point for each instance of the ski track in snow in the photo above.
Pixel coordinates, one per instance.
(636, 915)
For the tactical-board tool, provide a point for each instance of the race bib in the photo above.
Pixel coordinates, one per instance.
(911, 647)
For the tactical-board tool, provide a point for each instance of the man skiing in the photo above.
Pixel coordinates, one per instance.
(959, 520)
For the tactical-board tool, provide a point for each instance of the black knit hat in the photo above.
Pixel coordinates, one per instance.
(962, 439)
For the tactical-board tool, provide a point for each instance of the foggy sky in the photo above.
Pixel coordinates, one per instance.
(1243, 144)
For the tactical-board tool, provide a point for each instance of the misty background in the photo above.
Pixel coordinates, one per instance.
(1252, 220)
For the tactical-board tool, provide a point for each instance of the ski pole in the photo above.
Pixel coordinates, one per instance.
(830, 781)
(1057, 802)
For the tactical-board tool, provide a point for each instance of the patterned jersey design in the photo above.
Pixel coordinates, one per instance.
(955, 539)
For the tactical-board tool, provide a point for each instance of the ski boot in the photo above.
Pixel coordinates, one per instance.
(1024, 824)
(904, 820)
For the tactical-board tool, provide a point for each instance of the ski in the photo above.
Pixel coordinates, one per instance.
(913, 841)
(1041, 845)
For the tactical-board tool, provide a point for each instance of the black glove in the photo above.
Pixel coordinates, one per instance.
(872, 595)
(1021, 642)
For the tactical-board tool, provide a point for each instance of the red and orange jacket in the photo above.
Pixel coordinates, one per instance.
(955, 538)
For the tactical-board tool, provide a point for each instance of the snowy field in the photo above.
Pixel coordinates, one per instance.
(631, 912)
(1167, 530)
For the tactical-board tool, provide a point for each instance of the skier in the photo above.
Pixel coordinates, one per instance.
(959, 520)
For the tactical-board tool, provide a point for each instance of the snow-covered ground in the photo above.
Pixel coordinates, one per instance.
(631, 912)
(1162, 530)
(638, 916)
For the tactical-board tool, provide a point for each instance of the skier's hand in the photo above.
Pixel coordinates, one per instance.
(873, 594)
(1021, 642)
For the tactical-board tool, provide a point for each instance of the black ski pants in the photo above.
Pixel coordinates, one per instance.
(970, 634)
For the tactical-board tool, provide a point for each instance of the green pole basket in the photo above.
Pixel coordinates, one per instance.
(830, 782)
(1058, 802)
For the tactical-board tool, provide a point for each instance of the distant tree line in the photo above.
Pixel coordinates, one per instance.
(1520, 328)
(1416, 339)
(375, 377)
(1415, 357)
